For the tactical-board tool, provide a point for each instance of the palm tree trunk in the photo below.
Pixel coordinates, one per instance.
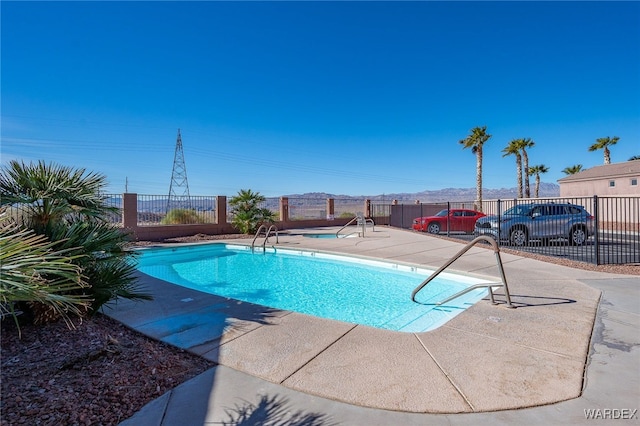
(607, 156)
(479, 179)
(527, 190)
(537, 184)
(519, 177)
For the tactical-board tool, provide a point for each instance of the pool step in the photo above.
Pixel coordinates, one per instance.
(428, 317)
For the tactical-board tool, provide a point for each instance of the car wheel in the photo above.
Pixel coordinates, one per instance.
(433, 228)
(578, 236)
(518, 237)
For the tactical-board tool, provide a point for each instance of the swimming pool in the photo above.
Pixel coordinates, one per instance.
(343, 288)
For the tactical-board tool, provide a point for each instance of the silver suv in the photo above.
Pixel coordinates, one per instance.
(537, 221)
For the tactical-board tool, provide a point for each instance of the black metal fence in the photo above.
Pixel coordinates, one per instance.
(605, 231)
(152, 209)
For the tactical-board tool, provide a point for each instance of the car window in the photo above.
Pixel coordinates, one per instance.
(518, 210)
(539, 211)
(442, 213)
(458, 214)
(574, 210)
(556, 210)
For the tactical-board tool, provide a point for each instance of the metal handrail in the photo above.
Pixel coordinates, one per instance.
(347, 224)
(489, 286)
(256, 236)
(361, 222)
(266, 236)
(275, 228)
(373, 224)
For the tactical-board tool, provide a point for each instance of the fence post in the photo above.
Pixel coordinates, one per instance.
(221, 209)
(284, 209)
(367, 208)
(499, 220)
(596, 227)
(448, 217)
(330, 209)
(130, 212)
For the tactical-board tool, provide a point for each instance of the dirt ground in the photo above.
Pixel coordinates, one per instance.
(97, 373)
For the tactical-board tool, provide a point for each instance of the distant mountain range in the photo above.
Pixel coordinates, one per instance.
(159, 205)
(447, 194)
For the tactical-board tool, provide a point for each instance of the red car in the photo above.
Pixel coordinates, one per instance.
(458, 220)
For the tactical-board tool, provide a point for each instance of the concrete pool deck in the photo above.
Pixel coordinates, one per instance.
(572, 344)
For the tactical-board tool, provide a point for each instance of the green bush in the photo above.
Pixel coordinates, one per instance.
(65, 206)
(246, 214)
(182, 216)
(31, 270)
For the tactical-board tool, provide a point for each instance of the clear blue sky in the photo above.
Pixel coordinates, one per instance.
(355, 98)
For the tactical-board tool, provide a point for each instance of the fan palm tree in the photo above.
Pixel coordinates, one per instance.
(476, 139)
(513, 148)
(50, 195)
(526, 143)
(572, 170)
(66, 206)
(246, 211)
(604, 144)
(33, 271)
(537, 170)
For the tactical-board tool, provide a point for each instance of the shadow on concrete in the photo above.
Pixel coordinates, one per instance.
(541, 300)
(200, 323)
(273, 410)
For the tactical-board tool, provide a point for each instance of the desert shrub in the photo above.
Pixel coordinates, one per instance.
(182, 216)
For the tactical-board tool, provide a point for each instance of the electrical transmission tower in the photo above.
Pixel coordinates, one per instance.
(179, 188)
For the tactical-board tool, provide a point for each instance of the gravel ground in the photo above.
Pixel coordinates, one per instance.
(101, 372)
(98, 373)
(631, 269)
(611, 269)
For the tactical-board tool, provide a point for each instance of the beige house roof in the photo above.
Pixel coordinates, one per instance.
(628, 168)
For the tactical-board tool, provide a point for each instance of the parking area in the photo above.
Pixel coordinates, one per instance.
(599, 231)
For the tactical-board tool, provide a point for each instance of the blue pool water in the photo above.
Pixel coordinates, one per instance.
(343, 288)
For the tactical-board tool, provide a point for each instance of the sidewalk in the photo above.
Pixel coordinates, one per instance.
(488, 364)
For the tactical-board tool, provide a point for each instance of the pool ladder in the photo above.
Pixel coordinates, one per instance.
(267, 234)
(361, 224)
(489, 286)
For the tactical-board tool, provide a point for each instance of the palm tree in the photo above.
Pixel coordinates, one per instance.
(246, 211)
(475, 140)
(50, 195)
(526, 143)
(66, 206)
(514, 149)
(537, 170)
(33, 271)
(604, 143)
(572, 170)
